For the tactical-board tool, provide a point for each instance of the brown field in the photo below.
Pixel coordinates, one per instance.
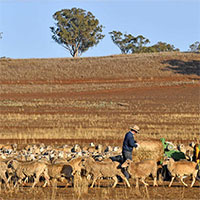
(79, 100)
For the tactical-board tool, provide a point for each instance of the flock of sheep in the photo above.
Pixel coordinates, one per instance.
(46, 164)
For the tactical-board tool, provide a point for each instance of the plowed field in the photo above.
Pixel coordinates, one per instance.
(69, 101)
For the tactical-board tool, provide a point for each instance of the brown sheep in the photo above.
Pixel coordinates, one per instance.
(142, 170)
(65, 169)
(3, 170)
(103, 169)
(59, 171)
(76, 164)
(28, 169)
(188, 150)
(181, 168)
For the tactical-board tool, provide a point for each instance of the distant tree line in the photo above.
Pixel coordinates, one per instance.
(77, 30)
(127, 43)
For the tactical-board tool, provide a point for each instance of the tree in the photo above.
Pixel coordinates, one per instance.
(1, 35)
(195, 47)
(122, 41)
(127, 43)
(163, 47)
(76, 30)
(139, 44)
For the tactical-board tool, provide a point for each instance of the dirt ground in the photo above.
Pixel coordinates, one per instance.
(101, 110)
(162, 101)
(105, 191)
(162, 108)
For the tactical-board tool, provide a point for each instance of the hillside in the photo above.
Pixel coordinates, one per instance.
(97, 98)
(110, 67)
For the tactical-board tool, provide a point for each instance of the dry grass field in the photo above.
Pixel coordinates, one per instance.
(79, 100)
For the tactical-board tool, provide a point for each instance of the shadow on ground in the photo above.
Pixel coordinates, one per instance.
(182, 67)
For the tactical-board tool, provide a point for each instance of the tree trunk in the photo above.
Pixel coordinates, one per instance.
(75, 54)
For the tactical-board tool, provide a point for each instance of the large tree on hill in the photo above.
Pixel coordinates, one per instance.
(127, 43)
(76, 30)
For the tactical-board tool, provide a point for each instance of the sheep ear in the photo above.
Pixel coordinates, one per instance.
(188, 158)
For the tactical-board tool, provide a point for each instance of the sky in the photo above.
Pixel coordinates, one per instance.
(26, 33)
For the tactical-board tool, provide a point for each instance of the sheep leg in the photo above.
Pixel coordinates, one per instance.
(116, 181)
(155, 182)
(137, 183)
(53, 182)
(26, 180)
(145, 184)
(127, 182)
(18, 182)
(35, 182)
(69, 180)
(125, 179)
(3, 176)
(172, 181)
(94, 179)
(181, 177)
(46, 176)
(9, 177)
(20, 175)
(37, 179)
(45, 183)
(193, 180)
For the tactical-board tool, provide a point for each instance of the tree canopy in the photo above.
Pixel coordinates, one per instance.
(195, 47)
(76, 30)
(127, 43)
(162, 47)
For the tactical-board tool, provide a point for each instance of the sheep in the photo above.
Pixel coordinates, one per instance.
(181, 168)
(59, 161)
(188, 150)
(103, 169)
(3, 170)
(141, 170)
(76, 148)
(59, 171)
(28, 169)
(76, 164)
(62, 168)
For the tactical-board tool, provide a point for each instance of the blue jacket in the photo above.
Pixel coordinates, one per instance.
(129, 142)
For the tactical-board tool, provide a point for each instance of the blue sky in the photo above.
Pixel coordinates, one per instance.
(26, 33)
